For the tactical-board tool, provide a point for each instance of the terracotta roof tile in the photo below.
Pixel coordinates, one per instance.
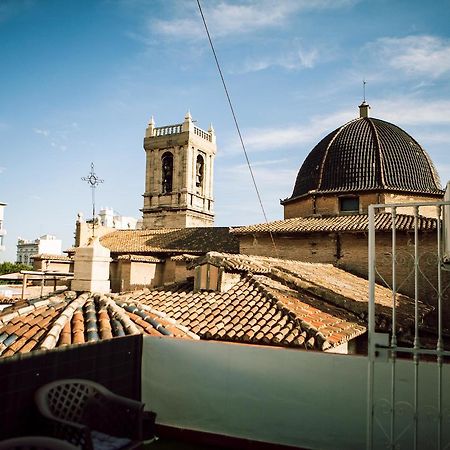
(184, 240)
(347, 223)
(50, 257)
(139, 258)
(367, 154)
(214, 316)
(86, 318)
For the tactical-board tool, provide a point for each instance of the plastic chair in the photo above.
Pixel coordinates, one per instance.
(36, 443)
(90, 416)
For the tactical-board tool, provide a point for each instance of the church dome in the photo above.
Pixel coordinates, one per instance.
(367, 154)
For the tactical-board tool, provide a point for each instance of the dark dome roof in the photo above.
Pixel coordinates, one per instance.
(367, 154)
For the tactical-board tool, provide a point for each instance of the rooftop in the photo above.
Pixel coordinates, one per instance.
(347, 223)
(181, 240)
(268, 302)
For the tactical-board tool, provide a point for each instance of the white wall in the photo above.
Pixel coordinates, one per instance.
(261, 393)
(291, 397)
(50, 245)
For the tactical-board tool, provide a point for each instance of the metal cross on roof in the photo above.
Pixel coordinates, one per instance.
(93, 181)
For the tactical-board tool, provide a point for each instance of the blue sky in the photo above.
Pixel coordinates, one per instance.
(80, 79)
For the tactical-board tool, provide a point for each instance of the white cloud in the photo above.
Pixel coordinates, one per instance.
(444, 173)
(413, 111)
(421, 55)
(401, 111)
(262, 139)
(2, 169)
(45, 133)
(55, 138)
(302, 58)
(224, 18)
(273, 184)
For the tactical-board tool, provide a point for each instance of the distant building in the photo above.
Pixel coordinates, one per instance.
(111, 219)
(106, 222)
(2, 230)
(46, 244)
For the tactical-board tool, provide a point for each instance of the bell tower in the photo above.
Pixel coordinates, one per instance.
(179, 175)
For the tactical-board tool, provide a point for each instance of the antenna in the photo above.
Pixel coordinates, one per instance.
(364, 90)
(93, 181)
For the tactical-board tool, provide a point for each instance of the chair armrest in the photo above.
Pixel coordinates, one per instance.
(125, 402)
(75, 433)
(115, 415)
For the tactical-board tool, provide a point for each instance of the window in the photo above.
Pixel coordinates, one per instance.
(167, 172)
(349, 204)
(199, 172)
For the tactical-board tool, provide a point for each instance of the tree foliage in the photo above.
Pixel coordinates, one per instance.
(9, 267)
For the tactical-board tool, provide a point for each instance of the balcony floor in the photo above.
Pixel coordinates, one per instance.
(174, 444)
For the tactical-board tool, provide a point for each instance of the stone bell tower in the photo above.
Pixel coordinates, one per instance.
(179, 175)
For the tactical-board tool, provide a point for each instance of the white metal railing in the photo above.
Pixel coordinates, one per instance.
(394, 430)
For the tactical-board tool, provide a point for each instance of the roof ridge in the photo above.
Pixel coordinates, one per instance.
(119, 313)
(337, 132)
(166, 317)
(52, 335)
(378, 153)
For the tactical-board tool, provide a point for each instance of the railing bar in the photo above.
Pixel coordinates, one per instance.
(371, 327)
(439, 346)
(393, 365)
(439, 279)
(439, 406)
(416, 324)
(394, 335)
(421, 351)
(416, 401)
(416, 277)
(394, 278)
(412, 204)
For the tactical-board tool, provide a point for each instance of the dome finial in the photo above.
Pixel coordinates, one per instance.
(364, 106)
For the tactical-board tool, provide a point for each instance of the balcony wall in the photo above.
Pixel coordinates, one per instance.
(281, 396)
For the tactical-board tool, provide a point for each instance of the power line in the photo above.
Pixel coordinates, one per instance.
(236, 122)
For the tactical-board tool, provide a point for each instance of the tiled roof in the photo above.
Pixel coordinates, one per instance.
(347, 223)
(367, 154)
(184, 257)
(184, 240)
(255, 310)
(272, 302)
(50, 257)
(139, 258)
(323, 281)
(66, 319)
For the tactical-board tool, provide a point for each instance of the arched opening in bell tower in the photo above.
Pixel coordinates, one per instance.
(199, 173)
(167, 172)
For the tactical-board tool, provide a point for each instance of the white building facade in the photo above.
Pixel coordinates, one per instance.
(2, 230)
(111, 219)
(46, 244)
